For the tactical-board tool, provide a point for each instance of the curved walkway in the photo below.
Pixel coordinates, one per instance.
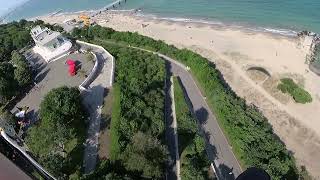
(93, 100)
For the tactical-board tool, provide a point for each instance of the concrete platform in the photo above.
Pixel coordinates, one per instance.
(52, 75)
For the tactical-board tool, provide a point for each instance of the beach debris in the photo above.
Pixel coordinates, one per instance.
(144, 25)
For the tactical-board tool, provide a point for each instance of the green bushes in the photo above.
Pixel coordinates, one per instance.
(138, 115)
(193, 157)
(115, 122)
(56, 141)
(287, 85)
(17, 75)
(248, 131)
(316, 58)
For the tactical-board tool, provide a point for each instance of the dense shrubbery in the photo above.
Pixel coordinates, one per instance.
(22, 71)
(14, 75)
(8, 85)
(107, 169)
(57, 139)
(114, 127)
(287, 85)
(248, 130)
(138, 121)
(14, 36)
(193, 157)
(316, 57)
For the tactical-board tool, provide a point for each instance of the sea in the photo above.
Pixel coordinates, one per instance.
(278, 16)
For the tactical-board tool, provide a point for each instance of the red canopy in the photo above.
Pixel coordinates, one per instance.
(72, 67)
(70, 62)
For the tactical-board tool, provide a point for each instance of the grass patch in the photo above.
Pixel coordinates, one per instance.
(104, 137)
(193, 157)
(115, 123)
(300, 95)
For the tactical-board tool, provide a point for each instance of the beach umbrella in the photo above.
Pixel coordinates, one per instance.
(70, 62)
(72, 70)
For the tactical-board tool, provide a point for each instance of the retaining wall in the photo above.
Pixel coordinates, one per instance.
(98, 63)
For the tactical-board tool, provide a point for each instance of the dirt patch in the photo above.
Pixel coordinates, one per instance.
(104, 134)
(257, 76)
(270, 85)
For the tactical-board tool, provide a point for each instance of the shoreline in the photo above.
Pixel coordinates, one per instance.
(231, 25)
(201, 21)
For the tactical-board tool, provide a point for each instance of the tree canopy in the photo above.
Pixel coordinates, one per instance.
(145, 154)
(13, 37)
(59, 131)
(22, 71)
(8, 84)
(138, 121)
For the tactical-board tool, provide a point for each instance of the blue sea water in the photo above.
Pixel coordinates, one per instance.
(268, 14)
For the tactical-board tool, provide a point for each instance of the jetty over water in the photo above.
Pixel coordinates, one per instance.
(109, 6)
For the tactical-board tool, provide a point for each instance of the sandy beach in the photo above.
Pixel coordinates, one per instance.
(235, 51)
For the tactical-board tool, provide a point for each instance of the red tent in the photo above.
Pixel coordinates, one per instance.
(72, 67)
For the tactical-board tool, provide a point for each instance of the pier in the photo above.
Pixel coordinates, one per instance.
(113, 5)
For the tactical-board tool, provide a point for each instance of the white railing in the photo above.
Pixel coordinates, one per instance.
(37, 165)
(82, 86)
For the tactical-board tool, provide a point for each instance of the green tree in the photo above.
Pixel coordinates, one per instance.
(8, 85)
(62, 105)
(22, 72)
(60, 130)
(145, 154)
(17, 59)
(8, 117)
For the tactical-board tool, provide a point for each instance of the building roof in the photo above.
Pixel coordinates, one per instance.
(43, 35)
(8, 170)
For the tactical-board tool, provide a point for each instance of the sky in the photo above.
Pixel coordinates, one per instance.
(6, 5)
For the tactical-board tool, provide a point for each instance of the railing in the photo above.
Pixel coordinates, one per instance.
(19, 148)
(84, 85)
(93, 74)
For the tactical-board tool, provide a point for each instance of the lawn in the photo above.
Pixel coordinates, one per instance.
(115, 123)
(300, 95)
(104, 136)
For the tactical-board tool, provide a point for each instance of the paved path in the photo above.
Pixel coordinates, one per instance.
(93, 100)
(173, 164)
(174, 125)
(219, 151)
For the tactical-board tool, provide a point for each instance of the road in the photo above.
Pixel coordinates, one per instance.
(218, 149)
(173, 163)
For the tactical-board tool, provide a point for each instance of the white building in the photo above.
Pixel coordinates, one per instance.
(49, 44)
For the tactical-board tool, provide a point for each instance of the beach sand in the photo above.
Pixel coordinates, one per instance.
(234, 50)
